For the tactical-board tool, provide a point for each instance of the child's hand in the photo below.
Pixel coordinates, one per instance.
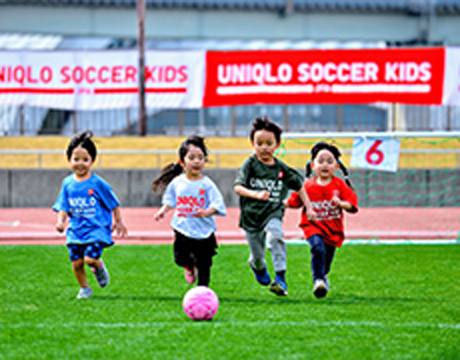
(159, 215)
(335, 200)
(311, 215)
(263, 195)
(202, 213)
(341, 204)
(120, 229)
(286, 204)
(60, 226)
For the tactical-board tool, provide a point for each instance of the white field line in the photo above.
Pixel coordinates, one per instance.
(345, 324)
(233, 241)
(10, 223)
(386, 242)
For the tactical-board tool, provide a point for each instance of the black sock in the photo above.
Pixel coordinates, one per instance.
(260, 272)
(204, 275)
(281, 274)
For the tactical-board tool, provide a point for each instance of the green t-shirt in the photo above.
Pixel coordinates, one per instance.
(278, 179)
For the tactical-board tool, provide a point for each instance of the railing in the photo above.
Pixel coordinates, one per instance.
(217, 154)
(230, 120)
(159, 153)
(443, 152)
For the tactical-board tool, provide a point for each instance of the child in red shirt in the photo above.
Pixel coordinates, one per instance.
(329, 196)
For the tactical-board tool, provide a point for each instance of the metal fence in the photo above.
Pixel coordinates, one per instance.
(230, 121)
(156, 159)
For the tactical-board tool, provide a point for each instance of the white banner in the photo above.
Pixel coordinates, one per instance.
(376, 154)
(93, 80)
(451, 93)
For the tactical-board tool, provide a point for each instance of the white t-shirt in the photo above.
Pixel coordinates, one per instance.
(186, 197)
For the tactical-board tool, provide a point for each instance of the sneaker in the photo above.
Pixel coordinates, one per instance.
(102, 275)
(320, 288)
(190, 275)
(279, 287)
(85, 293)
(326, 281)
(262, 276)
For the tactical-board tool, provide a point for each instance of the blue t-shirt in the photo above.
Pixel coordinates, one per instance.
(187, 196)
(89, 205)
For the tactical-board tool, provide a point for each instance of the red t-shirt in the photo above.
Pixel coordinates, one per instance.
(329, 217)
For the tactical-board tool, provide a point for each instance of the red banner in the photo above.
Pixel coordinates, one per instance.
(409, 76)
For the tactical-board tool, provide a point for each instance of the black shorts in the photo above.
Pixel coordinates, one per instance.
(194, 252)
(92, 250)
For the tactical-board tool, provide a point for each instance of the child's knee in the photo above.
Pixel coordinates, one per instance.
(257, 263)
(316, 244)
(183, 259)
(91, 261)
(78, 264)
(274, 238)
(274, 230)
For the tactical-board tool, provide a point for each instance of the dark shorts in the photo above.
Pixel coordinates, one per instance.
(190, 252)
(92, 250)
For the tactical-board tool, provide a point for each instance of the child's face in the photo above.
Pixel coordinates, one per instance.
(194, 162)
(265, 145)
(325, 164)
(80, 162)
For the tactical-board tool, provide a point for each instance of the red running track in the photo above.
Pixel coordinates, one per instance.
(36, 225)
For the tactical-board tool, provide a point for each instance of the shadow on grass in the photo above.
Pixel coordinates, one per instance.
(273, 300)
(223, 300)
(135, 298)
(350, 299)
(337, 299)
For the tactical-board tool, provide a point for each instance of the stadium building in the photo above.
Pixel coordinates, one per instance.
(229, 25)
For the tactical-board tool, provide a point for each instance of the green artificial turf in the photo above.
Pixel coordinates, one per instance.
(386, 302)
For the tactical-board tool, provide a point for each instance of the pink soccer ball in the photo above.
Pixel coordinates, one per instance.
(200, 303)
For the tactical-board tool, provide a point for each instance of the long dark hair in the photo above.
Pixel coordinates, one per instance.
(169, 172)
(335, 152)
(82, 139)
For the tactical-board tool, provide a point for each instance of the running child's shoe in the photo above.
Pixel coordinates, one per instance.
(326, 281)
(85, 293)
(279, 286)
(262, 276)
(190, 275)
(320, 288)
(102, 275)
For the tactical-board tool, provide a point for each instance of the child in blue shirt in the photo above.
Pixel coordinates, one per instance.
(88, 201)
(196, 199)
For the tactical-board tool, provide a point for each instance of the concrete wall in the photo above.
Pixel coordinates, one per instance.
(424, 187)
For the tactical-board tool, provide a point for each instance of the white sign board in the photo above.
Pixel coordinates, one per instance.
(93, 80)
(376, 154)
(451, 93)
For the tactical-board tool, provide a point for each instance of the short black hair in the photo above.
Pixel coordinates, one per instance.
(265, 123)
(82, 139)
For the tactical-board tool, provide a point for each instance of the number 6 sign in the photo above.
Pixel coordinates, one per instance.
(376, 154)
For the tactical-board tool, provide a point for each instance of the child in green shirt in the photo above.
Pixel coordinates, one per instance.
(263, 183)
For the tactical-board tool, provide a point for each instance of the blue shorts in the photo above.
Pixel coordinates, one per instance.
(79, 251)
